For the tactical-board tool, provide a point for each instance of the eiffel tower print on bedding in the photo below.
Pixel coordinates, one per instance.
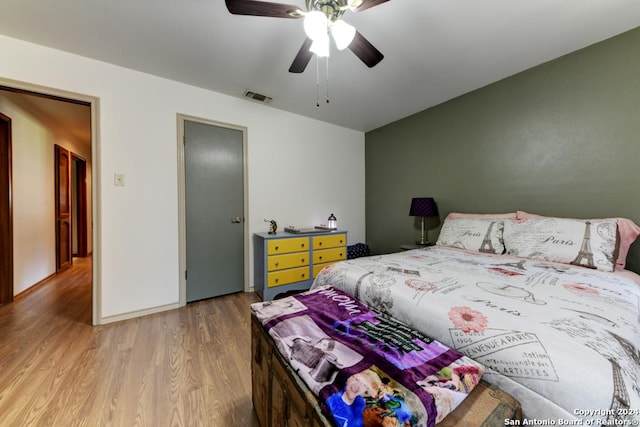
(563, 339)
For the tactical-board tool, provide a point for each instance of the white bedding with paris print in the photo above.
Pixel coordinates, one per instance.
(564, 340)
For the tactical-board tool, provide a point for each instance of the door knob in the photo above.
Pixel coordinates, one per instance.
(236, 220)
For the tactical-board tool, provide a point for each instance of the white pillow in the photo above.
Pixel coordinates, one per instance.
(476, 234)
(587, 243)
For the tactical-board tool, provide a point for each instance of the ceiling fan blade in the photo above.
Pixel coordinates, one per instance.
(365, 50)
(368, 4)
(263, 8)
(303, 57)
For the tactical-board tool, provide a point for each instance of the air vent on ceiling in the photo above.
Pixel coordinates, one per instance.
(257, 97)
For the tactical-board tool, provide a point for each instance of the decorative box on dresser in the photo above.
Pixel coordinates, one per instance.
(285, 262)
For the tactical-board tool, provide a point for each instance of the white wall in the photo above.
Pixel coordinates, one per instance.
(33, 205)
(292, 179)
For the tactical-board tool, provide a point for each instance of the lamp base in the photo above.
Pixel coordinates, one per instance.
(424, 243)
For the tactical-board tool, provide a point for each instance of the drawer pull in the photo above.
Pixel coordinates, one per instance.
(340, 240)
(277, 247)
(319, 243)
(320, 257)
(277, 264)
(302, 260)
(302, 275)
(302, 245)
(277, 280)
(340, 253)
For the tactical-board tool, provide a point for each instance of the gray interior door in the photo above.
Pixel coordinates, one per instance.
(214, 210)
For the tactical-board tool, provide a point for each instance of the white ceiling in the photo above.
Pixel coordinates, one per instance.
(434, 49)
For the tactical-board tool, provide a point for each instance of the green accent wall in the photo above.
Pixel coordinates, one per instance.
(560, 139)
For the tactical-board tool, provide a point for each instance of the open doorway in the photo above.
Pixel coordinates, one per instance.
(79, 217)
(6, 227)
(41, 122)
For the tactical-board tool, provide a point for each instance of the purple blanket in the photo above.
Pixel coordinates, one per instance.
(366, 369)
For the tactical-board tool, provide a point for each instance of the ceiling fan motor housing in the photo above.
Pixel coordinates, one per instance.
(333, 9)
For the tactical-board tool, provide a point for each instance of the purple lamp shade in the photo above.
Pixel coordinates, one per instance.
(423, 206)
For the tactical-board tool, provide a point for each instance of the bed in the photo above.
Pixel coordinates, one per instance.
(544, 304)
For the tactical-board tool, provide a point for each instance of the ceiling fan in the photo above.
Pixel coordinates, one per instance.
(322, 17)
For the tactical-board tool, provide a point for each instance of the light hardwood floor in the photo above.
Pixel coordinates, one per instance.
(185, 367)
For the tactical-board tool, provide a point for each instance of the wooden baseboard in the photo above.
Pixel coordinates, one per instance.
(137, 313)
(34, 286)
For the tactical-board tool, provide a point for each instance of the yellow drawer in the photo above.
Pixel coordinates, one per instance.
(284, 277)
(318, 267)
(283, 246)
(328, 255)
(329, 241)
(281, 262)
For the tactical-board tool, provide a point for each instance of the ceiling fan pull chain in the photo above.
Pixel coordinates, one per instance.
(317, 81)
(327, 82)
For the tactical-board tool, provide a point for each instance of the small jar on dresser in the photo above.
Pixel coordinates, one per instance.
(287, 262)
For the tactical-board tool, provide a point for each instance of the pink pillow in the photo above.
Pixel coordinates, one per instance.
(627, 229)
(527, 215)
(458, 215)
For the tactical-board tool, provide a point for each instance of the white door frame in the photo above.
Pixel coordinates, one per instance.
(96, 244)
(182, 224)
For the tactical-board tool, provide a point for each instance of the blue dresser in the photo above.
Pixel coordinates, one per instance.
(285, 262)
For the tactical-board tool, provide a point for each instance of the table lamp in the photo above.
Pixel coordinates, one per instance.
(424, 207)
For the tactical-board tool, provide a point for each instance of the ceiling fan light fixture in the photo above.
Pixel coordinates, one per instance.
(354, 4)
(342, 33)
(320, 46)
(315, 25)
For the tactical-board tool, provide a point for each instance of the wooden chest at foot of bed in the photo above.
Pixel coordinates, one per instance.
(281, 398)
